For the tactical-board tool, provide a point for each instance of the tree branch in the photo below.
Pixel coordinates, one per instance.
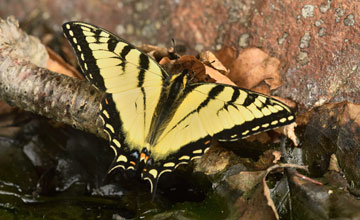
(32, 88)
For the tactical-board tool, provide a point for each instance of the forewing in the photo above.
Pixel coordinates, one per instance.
(131, 78)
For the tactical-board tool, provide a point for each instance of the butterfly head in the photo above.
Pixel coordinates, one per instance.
(145, 156)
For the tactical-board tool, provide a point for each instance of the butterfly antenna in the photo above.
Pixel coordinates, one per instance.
(174, 44)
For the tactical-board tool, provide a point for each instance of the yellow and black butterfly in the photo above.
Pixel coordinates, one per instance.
(156, 121)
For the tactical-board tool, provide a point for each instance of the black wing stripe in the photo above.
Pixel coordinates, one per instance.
(214, 92)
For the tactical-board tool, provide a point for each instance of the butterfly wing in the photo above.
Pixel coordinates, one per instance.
(132, 80)
(224, 112)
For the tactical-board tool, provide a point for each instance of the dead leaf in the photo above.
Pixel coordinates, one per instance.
(267, 194)
(214, 161)
(210, 59)
(192, 64)
(267, 159)
(253, 66)
(218, 77)
(245, 181)
(289, 131)
(226, 56)
(56, 64)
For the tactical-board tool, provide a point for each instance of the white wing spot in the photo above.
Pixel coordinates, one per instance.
(255, 128)
(106, 114)
(169, 164)
(206, 149)
(185, 157)
(122, 158)
(117, 143)
(111, 128)
(199, 151)
(67, 26)
(154, 173)
(265, 125)
(278, 107)
(131, 168)
(282, 120)
(274, 122)
(290, 118)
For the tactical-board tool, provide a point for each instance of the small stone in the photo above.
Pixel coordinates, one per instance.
(324, 7)
(319, 22)
(302, 58)
(282, 39)
(338, 14)
(322, 32)
(308, 11)
(349, 20)
(305, 41)
(244, 40)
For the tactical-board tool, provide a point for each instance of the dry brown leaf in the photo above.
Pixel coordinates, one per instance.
(352, 112)
(253, 66)
(226, 56)
(214, 161)
(210, 59)
(277, 156)
(218, 77)
(261, 88)
(267, 194)
(192, 64)
(334, 164)
(289, 131)
(56, 64)
(245, 181)
(267, 159)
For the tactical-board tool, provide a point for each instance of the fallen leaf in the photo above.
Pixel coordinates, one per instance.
(208, 58)
(253, 66)
(267, 194)
(56, 64)
(289, 131)
(218, 77)
(226, 56)
(196, 68)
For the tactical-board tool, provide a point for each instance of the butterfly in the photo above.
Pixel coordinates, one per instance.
(157, 121)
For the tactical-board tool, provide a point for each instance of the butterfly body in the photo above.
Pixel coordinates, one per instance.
(157, 121)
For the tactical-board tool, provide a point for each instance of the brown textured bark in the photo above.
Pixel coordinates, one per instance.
(38, 90)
